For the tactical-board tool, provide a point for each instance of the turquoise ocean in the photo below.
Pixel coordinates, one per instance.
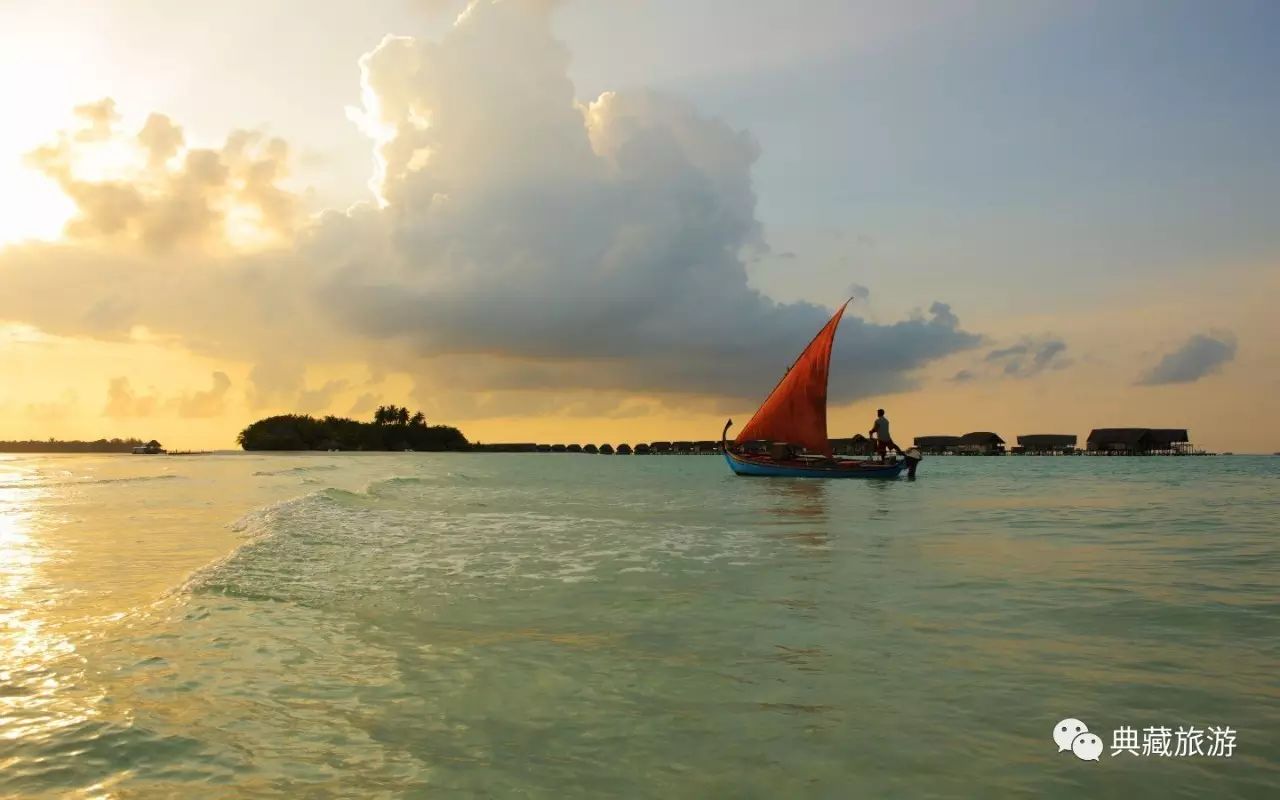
(573, 626)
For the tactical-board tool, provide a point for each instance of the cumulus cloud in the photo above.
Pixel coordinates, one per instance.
(161, 139)
(208, 403)
(518, 220)
(1203, 354)
(276, 381)
(123, 401)
(97, 120)
(520, 241)
(322, 397)
(151, 190)
(363, 405)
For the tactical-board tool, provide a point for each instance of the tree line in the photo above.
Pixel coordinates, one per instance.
(75, 446)
(392, 428)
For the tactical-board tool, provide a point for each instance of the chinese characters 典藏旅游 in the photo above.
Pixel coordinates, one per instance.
(1181, 742)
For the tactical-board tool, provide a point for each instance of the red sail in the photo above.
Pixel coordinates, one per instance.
(796, 411)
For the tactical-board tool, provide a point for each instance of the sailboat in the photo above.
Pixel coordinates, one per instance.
(787, 437)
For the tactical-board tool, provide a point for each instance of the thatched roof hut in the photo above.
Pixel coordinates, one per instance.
(574, 448)
(937, 444)
(981, 442)
(642, 449)
(1137, 440)
(506, 447)
(606, 450)
(981, 437)
(1167, 438)
(590, 448)
(660, 447)
(624, 450)
(1115, 438)
(558, 448)
(1048, 440)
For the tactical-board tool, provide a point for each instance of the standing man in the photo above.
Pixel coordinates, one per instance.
(880, 430)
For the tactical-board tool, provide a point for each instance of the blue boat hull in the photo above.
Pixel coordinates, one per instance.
(864, 469)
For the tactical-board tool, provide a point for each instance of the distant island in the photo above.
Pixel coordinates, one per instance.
(55, 446)
(392, 428)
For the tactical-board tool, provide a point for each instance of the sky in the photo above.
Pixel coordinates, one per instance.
(620, 220)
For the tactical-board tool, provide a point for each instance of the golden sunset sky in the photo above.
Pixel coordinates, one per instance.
(620, 220)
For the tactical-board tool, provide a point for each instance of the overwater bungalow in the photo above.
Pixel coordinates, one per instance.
(937, 445)
(981, 443)
(706, 447)
(1174, 441)
(558, 448)
(573, 448)
(590, 448)
(682, 448)
(642, 449)
(1138, 441)
(151, 448)
(623, 450)
(606, 450)
(660, 448)
(1046, 443)
(544, 448)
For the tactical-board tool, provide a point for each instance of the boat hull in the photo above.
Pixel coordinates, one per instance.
(858, 469)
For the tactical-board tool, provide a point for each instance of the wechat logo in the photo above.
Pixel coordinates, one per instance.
(1072, 734)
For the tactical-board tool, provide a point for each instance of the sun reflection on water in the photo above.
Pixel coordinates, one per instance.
(39, 667)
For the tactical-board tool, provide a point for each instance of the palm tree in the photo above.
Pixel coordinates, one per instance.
(419, 419)
(380, 416)
(402, 416)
